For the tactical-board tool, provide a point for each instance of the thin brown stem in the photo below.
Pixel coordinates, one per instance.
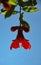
(20, 15)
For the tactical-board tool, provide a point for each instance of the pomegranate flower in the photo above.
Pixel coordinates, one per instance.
(6, 5)
(20, 40)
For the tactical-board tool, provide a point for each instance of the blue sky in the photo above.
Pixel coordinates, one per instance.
(21, 56)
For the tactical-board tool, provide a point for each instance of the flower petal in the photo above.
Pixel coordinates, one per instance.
(15, 44)
(26, 44)
(7, 6)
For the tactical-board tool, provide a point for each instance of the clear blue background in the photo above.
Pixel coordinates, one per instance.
(21, 56)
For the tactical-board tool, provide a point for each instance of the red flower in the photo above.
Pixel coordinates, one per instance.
(20, 40)
(6, 5)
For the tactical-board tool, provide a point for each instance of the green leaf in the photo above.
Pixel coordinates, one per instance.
(30, 9)
(32, 2)
(3, 11)
(24, 3)
(15, 12)
(25, 24)
(21, 3)
(9, 12)
(13, 2)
